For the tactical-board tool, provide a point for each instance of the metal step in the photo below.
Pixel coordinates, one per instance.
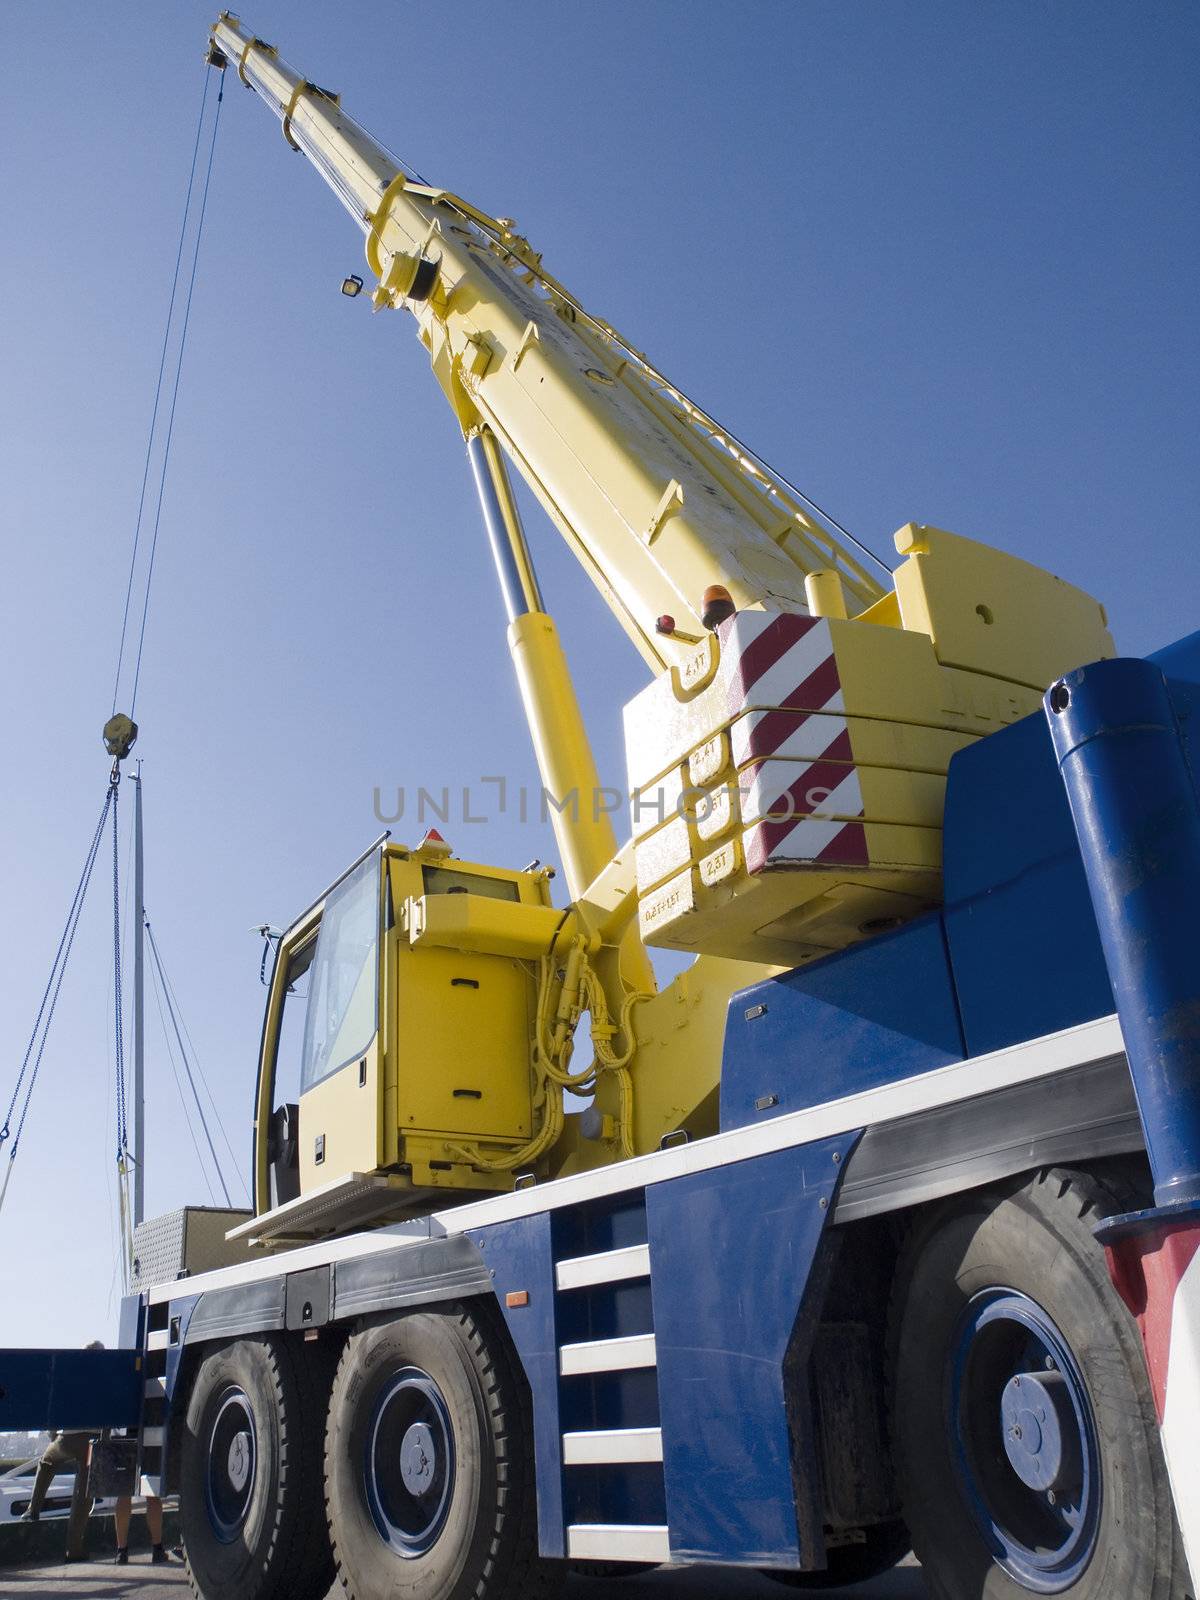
(608, 1541)
(611, 1266)
(610, 1446)
(608, 1355)
(354, 1198)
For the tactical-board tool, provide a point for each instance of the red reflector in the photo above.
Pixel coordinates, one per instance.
(517, 1299)
(664, 624)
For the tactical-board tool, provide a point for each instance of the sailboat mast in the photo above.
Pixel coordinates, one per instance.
(139, 1012)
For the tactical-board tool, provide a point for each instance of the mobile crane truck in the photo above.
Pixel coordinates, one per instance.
(880, 1225)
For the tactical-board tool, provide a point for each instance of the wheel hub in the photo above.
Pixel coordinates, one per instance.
(418, 1459)
(408, 1462)
(239, 1460)
(1025, 1440)
(1041, 1438)
(231, 1460)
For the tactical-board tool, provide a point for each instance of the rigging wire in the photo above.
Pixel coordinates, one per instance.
(162, 367)
(35, 1050)
(158, 999)
(186, 1064)
(45, 1016)
(177, 1012)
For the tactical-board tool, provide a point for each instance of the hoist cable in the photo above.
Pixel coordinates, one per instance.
(187, 312)
(31, 1064)
(162, 367)
(187, 1066)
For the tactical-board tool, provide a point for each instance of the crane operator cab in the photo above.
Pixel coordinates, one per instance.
(396, 1062)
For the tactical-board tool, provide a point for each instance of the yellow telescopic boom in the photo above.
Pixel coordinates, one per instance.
(787, 765)
(657, 502)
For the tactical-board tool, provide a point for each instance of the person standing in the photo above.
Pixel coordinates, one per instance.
(122, 1512)
(66, 1452)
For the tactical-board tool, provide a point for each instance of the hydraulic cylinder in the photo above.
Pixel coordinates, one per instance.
(1137, 818)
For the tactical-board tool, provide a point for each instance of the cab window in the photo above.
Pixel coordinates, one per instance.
(343, 985)
(289, 1041)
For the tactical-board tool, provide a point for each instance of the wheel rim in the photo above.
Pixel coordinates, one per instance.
(409, 1462)
(232, 1458)
(1025, 1440)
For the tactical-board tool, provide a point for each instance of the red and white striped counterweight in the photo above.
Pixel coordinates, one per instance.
(787, 784)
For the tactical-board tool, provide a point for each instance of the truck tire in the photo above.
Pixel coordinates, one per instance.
(1024, 1431)
(429, 1472)
(886, 1545)
(250, 1506)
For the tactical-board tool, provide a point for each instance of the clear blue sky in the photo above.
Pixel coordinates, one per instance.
(936, 260)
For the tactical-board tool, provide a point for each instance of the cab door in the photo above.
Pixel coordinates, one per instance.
(340, 1079)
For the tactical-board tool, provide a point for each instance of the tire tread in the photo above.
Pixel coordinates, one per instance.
(1057, 1195)
(305, 1570)
(513, 1569)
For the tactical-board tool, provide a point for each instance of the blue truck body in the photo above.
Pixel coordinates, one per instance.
(678, 1305)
